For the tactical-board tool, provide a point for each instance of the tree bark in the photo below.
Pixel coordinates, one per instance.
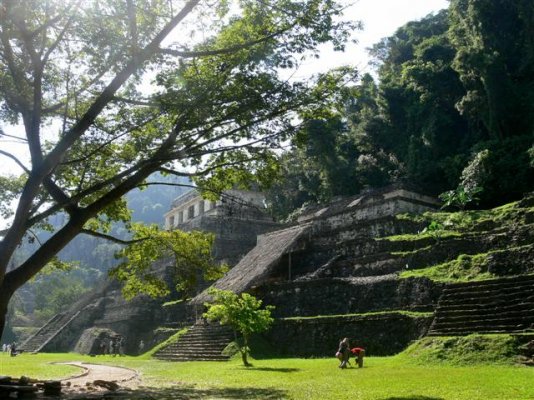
(244, 350)
(4, 301)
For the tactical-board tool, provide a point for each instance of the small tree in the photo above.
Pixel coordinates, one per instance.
(242, 313)
(460, 197)
(434, 229)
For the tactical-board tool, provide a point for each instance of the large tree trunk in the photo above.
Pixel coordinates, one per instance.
(4, 301)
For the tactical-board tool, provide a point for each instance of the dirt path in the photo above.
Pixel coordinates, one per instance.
(124, 377)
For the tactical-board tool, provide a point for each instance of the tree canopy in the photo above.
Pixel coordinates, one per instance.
(74, 74)
(453, 88)
(243, 313)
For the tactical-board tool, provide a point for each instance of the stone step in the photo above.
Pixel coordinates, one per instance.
(196, 348)
(492, 282)
(185, 359)
(497, 299)
(204, 352)
(198, 340)
(208, 333)
(481, 324)
(460, 332)
(185, 345)
(504, 305)
(509, 287)
(47, 332)
(484, 291)
(501, 305)
(481, 321)
(200, 343)
(514, 309)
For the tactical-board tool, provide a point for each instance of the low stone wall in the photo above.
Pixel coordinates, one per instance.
(349, 296)
(379, 335)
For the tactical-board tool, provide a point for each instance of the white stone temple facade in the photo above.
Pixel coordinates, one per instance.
(188, 207)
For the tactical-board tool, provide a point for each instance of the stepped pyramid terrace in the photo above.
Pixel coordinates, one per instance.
(363, 267)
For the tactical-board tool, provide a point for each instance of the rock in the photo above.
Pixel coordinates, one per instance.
(106, 384)
(52, 388)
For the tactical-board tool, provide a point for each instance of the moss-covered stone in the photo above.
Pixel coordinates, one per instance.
(464, 350)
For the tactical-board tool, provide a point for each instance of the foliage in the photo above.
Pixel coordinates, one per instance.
(505, 174)
(191, 259)
(242, 313)
(452, 109)
(75, 74)
(434, 229)
(505, 216)
(460, 197)
(495, 60)
(54, 292)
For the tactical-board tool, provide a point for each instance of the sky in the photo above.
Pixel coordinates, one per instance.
(380, 18)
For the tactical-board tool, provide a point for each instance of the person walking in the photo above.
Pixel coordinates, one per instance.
(120, 345)
(343, 352)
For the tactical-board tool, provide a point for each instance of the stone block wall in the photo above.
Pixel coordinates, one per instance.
(234, 237)
(379, 335)
(349, 296)
(135, 320)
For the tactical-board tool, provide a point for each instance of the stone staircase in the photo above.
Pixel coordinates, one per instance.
(496, 306)
(202, 342)
(44, 335)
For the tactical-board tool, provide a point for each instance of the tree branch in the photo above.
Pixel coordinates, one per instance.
(111, 238)
(19, 163)
(135, 102)
(226, 50)
(53, 158)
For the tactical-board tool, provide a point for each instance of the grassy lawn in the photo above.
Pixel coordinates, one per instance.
(384, 378)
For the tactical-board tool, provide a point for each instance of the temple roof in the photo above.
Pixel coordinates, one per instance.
(259, 262)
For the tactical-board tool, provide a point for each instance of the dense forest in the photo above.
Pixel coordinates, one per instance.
(451, 108)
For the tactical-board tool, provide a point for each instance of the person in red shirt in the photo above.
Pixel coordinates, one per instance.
(358, 353)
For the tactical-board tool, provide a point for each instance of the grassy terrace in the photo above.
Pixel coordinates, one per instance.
(466, 267)
(428, 370)
(474, 220)
(413, 314)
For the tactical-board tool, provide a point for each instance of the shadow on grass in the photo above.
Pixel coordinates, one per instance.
(414, 398)
(189, 393)
(270, 369)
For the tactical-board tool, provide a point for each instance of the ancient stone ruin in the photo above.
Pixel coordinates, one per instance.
(103, 314)
(336, 272)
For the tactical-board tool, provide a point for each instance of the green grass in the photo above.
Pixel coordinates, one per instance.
(37, 365)
(463, 269)
(463, 350)
(172, 303)
(413, 314)
(403, 377)
(409, 237)
(463, 221)
(170, 340)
